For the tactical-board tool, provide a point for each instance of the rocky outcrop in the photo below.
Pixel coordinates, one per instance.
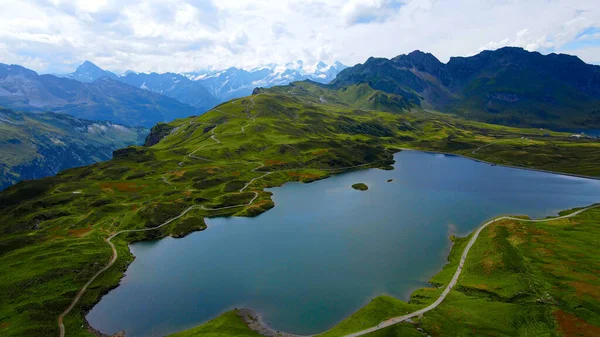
(158, 132)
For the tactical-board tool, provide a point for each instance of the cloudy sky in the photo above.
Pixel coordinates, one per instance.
(186, 35)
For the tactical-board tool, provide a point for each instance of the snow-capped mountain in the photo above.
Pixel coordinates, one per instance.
(205, 89)
(236, 82)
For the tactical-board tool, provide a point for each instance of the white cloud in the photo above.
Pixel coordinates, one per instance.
(590, 54)
(185, 35)
(367, 11)
(523, 39)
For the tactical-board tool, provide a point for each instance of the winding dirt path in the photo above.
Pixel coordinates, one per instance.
(481, 147)
(114, 257)
(191, 155)
(454, 280)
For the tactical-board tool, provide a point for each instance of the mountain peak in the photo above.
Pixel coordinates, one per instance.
(417, 52)
(87, 66)
(419, 60)
(417, 57)
(89, 72)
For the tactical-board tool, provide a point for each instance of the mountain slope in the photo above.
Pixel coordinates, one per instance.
(36, 145)
(507, 86)
(360, 96)
(173, 85)
(105, 99)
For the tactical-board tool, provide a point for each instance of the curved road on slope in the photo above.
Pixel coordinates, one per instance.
(454, 280)
(110, 263)
(191, 155)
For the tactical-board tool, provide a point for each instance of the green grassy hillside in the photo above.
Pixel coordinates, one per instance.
(526, 279)
(53, 230)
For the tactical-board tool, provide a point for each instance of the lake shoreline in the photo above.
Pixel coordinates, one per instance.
(503, 165)
(257, 324)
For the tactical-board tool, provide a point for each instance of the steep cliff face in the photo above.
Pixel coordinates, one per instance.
(158, 132)
(38, 145)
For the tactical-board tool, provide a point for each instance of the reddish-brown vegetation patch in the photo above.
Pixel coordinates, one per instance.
(547, 240)
(260, 203)
(5, 325)
(492, 232)
(122, 186)
(79, 232)
(538, 232)
(582, 289)
(270, 162)
(544, 251)
(178, 173)
(303, 175)
(54, 237)
(570, 325)
(489, 265)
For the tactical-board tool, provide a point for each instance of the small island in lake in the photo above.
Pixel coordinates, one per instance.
(360, 187)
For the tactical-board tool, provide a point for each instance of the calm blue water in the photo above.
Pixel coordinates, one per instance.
(325, 249)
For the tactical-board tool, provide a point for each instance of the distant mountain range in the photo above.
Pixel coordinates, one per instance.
(104, 99)
(205, 89)
(509, 86)
(36, 145)
(175, 86)
(172, 85)
(235, 82)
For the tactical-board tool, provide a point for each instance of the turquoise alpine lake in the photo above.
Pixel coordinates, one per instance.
(326, 249)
